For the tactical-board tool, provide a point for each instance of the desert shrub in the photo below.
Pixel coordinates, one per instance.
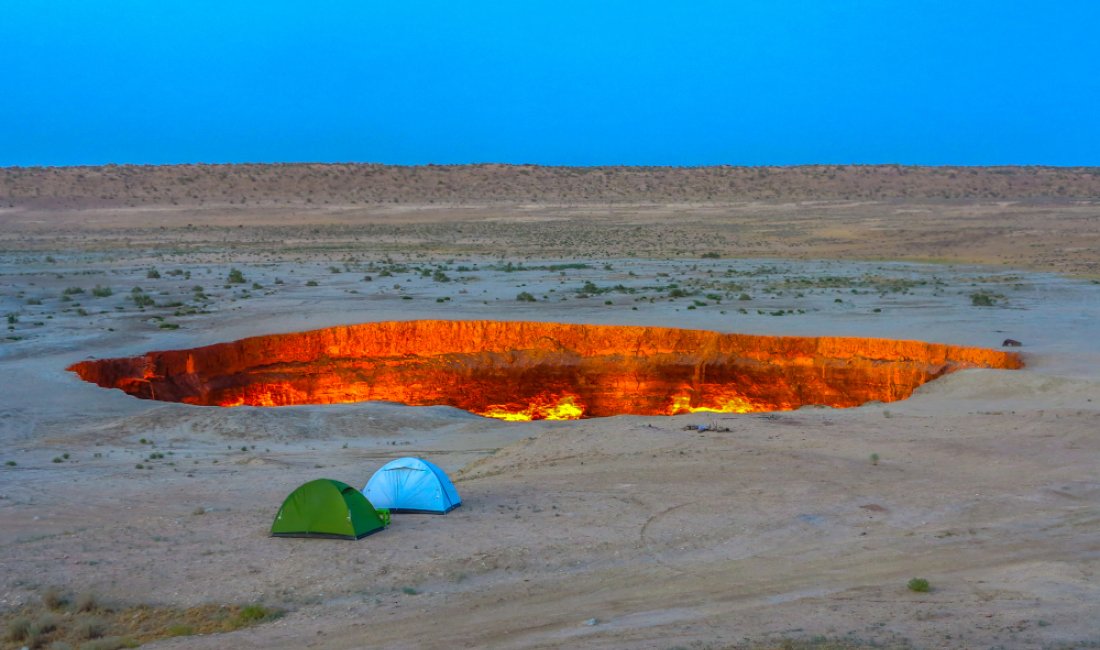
(153, 274)
(54, 598)
(90, 627)
(982, 299)
(141, 299)
(524, 296)
(235, 277)
(40, 629)
(86, 602)
(18, 629)
(919, 585)
(252, 614)
(311, 283)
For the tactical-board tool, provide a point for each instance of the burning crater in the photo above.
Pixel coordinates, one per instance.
(533, 371)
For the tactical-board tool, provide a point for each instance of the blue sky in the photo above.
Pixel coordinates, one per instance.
(557, 82)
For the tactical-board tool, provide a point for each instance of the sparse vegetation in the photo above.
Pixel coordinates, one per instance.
(53, 598)
(983, 299)
(253, 614)
(919, 585)
(86, 602)
(180, 629)
(86, 623)
(18, 628)
(141, 299)
(90, 627)
(235, 277)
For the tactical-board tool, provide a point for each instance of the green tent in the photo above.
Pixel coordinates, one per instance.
(326, 508)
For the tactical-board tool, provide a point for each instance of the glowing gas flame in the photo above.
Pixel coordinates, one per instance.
(540, 371)
(682, 403)
(563, 408)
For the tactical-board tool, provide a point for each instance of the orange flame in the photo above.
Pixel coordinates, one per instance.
(731, 403)
(541, 408)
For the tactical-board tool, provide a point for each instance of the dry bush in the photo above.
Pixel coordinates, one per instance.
(86, 602)
(18, 628)
(44, 624)
(90, 627)
(54, 598)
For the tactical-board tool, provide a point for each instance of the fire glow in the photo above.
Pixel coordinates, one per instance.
(540, 371)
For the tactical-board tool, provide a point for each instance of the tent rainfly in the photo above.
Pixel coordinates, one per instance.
(326, 508)
(412, 485)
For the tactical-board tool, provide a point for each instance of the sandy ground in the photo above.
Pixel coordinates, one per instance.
(616, 532)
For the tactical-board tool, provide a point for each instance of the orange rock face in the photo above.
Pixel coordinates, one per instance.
(524, 371)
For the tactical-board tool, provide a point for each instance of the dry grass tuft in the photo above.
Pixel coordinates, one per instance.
(90, 627)
(18, 628)
(86, 602)
(54, 598)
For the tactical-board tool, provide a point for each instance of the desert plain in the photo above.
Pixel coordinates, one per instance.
(705, 530)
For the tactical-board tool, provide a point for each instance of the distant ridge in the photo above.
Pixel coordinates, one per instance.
(311, 184)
